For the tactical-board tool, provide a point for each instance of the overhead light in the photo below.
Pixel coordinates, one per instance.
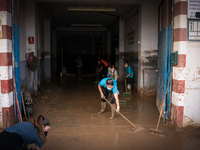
(90, 9)
(85, 25)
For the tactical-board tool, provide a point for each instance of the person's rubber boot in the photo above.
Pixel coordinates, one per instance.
(103, 108)
(112, 112)
(129, 87)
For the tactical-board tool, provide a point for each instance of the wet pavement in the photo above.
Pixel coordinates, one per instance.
(71, 105)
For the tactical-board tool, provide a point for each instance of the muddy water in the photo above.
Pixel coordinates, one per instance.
(72, 105)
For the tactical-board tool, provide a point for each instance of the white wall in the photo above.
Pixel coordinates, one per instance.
(148, 46)
(22, 27)
(131, 32)
(149, 25)
(131, 45)
(31, 32)
(192, 85)
(27, 29)
(31, 26)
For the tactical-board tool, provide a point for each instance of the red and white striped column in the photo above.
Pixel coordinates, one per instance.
(6, 78)
(180, 41)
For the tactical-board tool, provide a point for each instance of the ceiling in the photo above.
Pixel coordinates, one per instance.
(61, 17)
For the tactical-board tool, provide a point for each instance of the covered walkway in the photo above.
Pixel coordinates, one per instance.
(72, 105)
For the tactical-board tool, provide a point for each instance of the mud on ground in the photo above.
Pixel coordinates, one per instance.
(71, 105)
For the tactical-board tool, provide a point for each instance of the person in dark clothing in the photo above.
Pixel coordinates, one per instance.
(79, 66)
(20, 135)
(103, 69)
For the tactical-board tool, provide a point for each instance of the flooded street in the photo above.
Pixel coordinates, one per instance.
(72, 107)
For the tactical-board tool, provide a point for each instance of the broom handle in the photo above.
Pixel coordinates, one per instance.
(125, 82)
(163, 101)
(121, 114)
(16, 100)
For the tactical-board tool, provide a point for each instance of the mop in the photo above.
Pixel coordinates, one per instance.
(156, 131)
(135, 129)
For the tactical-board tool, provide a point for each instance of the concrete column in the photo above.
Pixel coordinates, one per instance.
(103, 49)
(109, 47)
(178, 87)
(6, 55)
(140, 81)
(54, 48)
(47, 49)
(121, 48)
(186, 75)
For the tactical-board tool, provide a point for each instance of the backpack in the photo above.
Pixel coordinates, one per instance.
(33, 63)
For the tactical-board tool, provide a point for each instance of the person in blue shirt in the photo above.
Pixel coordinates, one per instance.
(106, 86)
(128, 74)
(20, 135)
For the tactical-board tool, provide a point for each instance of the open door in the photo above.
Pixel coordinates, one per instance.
(17, 63)
(164, 58)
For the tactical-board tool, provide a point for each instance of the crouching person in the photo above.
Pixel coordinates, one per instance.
(20, 135)
(106, 86)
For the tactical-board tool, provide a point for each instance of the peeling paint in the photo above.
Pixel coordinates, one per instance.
(180, 70)
(150, 58)
(131, 56)
(188, 120)
(198, 70)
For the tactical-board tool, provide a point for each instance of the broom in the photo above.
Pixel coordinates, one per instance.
(156, 131)
(126, 93)
(135, 129)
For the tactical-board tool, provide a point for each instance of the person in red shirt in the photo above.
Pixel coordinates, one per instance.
(103, 69)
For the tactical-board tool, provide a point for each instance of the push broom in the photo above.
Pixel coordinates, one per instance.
(156, 131)
(126, 93)
(135, 129)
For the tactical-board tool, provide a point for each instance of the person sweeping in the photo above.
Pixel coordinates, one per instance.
(106, 86)
(128, 75)
(20, 135)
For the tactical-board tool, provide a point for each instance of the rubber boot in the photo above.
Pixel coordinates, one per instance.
(129, 87)
(113, 111)
(103, 108)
